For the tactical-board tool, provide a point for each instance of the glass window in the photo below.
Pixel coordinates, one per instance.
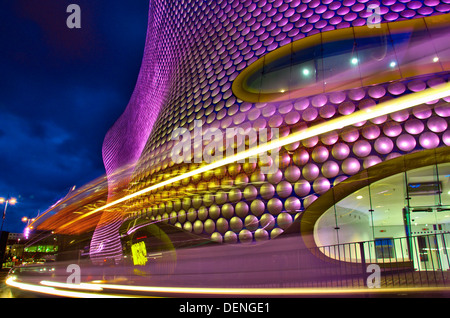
(275, 76)
(444, 180)
(375, 215)
(438, 28)
(307, 70)
(340, 60)
(378, 59)
(348, 58)
(387, 201)
(413, 47)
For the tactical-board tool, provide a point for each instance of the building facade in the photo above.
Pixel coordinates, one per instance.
(353, 94)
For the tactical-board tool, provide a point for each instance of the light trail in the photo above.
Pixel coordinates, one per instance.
(82, 286)
(96, 290)
(385, 108)
(57, 292)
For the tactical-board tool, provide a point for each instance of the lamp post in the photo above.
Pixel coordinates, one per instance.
(27, 228)
(11, 201)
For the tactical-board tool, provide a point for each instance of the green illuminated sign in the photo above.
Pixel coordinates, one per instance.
(41, 249)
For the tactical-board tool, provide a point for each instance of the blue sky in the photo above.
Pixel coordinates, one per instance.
(61, 89)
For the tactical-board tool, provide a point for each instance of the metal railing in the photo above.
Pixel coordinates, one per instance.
(420, 260)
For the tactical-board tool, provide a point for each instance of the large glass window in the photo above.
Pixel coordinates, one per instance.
(401, 218)
(348, 58)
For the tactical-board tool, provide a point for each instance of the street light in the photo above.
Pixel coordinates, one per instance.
(28, 227)
(11, 201)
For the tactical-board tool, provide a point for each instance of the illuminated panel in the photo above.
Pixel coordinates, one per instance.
(139, 253)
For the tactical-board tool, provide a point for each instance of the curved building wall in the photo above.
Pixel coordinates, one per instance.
(194, 52)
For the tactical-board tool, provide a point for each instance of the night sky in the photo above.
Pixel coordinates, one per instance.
(61, 89)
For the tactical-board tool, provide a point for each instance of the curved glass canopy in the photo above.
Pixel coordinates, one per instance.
(348, 58)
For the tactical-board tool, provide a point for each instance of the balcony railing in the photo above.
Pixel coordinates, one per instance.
(406, 261)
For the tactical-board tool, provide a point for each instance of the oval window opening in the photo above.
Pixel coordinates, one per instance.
(348, 58)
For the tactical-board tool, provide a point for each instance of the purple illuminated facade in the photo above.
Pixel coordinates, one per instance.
(195, 50)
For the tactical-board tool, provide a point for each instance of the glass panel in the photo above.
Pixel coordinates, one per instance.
(439, 30)
(276, 74)
(253, 83)
(444, 179)
(325, 232)
(353, 217)
(388, 201)
(413, 47)
(306, 70)
(378, 62)
(423, 189)
(340, 60)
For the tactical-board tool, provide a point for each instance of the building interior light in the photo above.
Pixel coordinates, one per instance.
(392, 64)
(435, 59)
(359, 197)
(354, 61)
(306, 72)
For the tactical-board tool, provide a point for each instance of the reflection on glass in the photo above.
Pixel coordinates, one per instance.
(306, 68)
(378, 57)
(439, 34)
(414, 48)
(340, 60)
